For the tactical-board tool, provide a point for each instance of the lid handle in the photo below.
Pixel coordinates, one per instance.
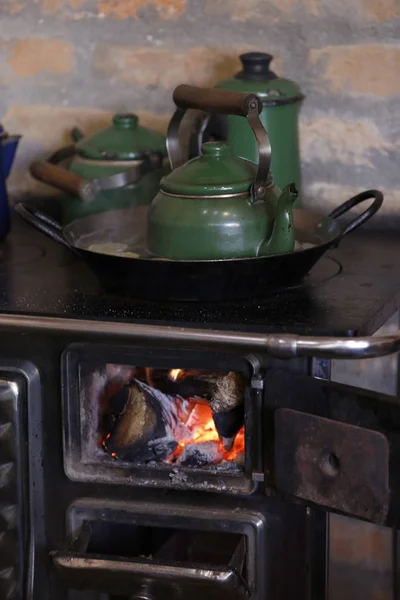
(256, 66)
(213, 100)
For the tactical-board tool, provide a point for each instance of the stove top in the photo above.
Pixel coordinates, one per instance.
(353, 290)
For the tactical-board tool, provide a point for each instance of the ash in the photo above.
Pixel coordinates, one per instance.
(200, 455)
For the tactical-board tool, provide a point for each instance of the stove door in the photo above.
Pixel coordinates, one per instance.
(334, 445)
(157, 418)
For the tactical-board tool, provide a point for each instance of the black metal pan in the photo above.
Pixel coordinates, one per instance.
(211, 280)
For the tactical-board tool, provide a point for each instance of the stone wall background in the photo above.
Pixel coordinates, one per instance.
(69, 62)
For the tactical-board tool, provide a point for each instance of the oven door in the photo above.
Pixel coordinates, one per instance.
(333, 445)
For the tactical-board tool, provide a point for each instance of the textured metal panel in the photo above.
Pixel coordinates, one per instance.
(11, 495)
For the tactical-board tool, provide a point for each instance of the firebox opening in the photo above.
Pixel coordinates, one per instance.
(177, 417)
(169, 545)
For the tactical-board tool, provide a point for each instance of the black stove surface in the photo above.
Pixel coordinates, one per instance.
(353, 290)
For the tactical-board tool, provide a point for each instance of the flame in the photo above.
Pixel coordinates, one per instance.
(200, 428)
(174, 374)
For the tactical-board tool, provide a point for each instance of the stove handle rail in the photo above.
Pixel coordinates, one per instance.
(283, 345)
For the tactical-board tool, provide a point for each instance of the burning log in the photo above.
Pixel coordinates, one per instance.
(138, 428)
(228, 424)
(145, 423)
(225, 392)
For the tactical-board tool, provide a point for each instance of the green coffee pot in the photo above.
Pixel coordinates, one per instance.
(217, 205)
(117, 167)
(281, 100)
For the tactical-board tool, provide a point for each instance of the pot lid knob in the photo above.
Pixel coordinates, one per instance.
(125, 121)
(256, 66)
(216, 149)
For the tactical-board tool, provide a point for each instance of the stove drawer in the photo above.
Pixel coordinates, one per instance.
(159, 550)
(156, 577)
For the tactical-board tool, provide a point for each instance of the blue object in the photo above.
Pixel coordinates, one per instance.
(8, 148)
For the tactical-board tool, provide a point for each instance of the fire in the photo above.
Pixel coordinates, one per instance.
(200, 428)
(192, 424)
(174, 374)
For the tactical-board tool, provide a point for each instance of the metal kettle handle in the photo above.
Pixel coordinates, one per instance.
(213, 100)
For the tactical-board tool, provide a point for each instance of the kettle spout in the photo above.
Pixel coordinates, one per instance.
(282, 236)
(9, 146)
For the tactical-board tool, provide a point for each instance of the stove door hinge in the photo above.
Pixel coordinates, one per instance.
(257, 383)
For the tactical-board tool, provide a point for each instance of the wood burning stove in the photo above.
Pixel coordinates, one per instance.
(140, 458)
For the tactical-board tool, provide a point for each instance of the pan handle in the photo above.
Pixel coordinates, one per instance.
(364, 216)
(43, 223)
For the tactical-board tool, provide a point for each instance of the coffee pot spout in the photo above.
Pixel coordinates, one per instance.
(282, 237)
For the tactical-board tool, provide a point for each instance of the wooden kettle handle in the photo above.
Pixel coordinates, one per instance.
(60, 178)
(214, 100)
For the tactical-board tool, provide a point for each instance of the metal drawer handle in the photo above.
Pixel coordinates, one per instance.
(84, 569)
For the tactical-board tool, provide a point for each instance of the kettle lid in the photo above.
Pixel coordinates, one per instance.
(125, 139)
(216, 172)
(256, 77)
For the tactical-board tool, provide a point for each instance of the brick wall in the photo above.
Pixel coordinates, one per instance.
(68, 62)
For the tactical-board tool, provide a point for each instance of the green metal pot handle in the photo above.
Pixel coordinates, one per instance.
(212, 100)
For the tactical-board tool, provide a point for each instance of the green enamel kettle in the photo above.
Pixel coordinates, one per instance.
(217, 205)
(117, 167)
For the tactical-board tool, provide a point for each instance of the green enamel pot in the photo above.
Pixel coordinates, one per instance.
(124, 163)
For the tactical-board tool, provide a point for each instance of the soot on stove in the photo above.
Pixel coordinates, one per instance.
(187, 418)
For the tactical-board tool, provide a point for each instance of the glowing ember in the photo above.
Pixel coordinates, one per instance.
(174, 374)
(199, 428)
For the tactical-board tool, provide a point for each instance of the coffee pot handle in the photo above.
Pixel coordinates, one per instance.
(218, 101)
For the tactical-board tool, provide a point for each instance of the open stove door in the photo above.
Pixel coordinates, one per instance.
(333, 445)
